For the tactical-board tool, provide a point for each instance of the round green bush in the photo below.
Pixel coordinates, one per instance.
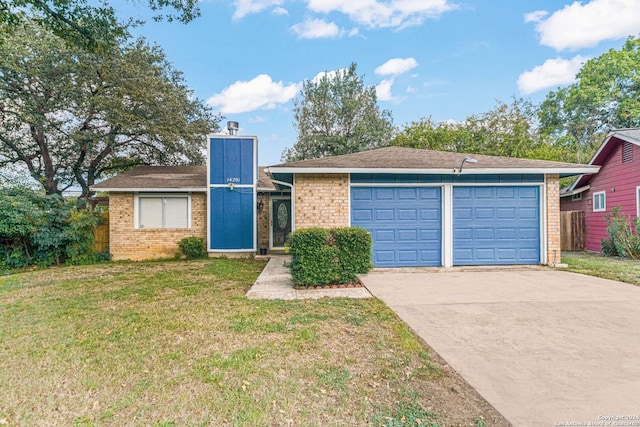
(192, 247)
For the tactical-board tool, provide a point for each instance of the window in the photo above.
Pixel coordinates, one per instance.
(599, 201)
(576, 197)
(638, 202)
(163, 211)
(627, 152)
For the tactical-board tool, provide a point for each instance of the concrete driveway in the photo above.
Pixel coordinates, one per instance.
(544, 347)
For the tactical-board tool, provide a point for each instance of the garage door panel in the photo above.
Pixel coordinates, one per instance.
(384, 214)
(407, 215)
(405, 223)
(362, 214)
(496, 225)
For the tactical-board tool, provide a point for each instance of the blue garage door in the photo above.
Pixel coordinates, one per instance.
(496, 225)
(405, 224)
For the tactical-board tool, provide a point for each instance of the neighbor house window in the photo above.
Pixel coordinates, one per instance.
(163, 211)
(576, 197)
(638, 202)
(599, 201)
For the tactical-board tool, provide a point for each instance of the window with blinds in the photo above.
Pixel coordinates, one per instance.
(163, 211)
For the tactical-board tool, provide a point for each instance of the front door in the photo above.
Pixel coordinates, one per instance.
(280, 222)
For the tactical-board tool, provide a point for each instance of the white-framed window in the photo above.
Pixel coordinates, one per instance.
(162, 210)
(576, 197)
(600, 201)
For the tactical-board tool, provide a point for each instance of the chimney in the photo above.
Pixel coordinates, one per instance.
(233, 128)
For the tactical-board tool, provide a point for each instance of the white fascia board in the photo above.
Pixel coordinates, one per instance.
(449, 171)
(571, 192)
(151, 190)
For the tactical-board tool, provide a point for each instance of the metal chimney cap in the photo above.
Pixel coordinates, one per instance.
(233, 127)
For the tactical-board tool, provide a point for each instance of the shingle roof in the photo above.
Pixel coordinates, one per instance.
(157, 177)
(400, 158)
(179, 178)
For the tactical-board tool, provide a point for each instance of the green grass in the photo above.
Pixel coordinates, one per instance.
(598, 265)
(176, 343)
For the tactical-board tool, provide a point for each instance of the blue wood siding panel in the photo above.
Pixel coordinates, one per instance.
(405, 224)
(231, 161)
(231, 218)
(496, 225)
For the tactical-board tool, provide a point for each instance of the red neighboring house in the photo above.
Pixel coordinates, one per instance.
(616, 184)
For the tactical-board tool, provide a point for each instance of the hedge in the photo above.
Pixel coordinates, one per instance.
(322, 256)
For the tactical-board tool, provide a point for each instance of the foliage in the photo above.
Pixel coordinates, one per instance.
(337, 114)
(408, 412)
(614, 268)
(71, 117)
(606, 95)
(93, 26)
(508, 130)
(623, 241)
(43, 230)
(321, 256)
(192, 247)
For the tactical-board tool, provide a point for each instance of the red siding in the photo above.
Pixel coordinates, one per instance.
(619, 181)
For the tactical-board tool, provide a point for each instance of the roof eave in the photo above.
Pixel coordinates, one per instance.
(566, 171)
(149, 190)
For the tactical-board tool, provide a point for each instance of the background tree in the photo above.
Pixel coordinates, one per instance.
(606, 95)
(92, 25)
(338, 114)
(71, 116)
(509, 130)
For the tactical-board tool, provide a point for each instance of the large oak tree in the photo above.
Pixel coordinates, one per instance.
(71, 116)
(89, 24)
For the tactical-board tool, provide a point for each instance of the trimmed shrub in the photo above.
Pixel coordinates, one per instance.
(321, 256)
(192, 247)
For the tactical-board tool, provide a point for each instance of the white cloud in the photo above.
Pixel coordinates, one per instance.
(553, 73)
(330, 74)
(381, 13)
(535, 16)
(259, 93)
(280, 11)
(396, 66)
(383, 90)
(246, 7)
(316, 29)
(580, 25)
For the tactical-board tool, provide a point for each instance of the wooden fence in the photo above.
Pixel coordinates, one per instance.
(572, 231)
(101, 234)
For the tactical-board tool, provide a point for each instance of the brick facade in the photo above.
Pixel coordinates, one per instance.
(263, 222)
(127, 242)
(321, 200)
(552, 183)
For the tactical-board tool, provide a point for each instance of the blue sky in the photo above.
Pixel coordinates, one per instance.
(447, 59)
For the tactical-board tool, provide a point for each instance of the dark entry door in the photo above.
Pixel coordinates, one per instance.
(280, 221)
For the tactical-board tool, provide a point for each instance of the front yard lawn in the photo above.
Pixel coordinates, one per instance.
(177, 343)
(598, 265)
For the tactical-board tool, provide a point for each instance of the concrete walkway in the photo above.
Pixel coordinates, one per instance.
(275, 283)
(544, 347)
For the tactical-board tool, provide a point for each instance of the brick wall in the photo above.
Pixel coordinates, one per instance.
(321, 200)
(553, 219)
(263, 221)
(127, 242)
